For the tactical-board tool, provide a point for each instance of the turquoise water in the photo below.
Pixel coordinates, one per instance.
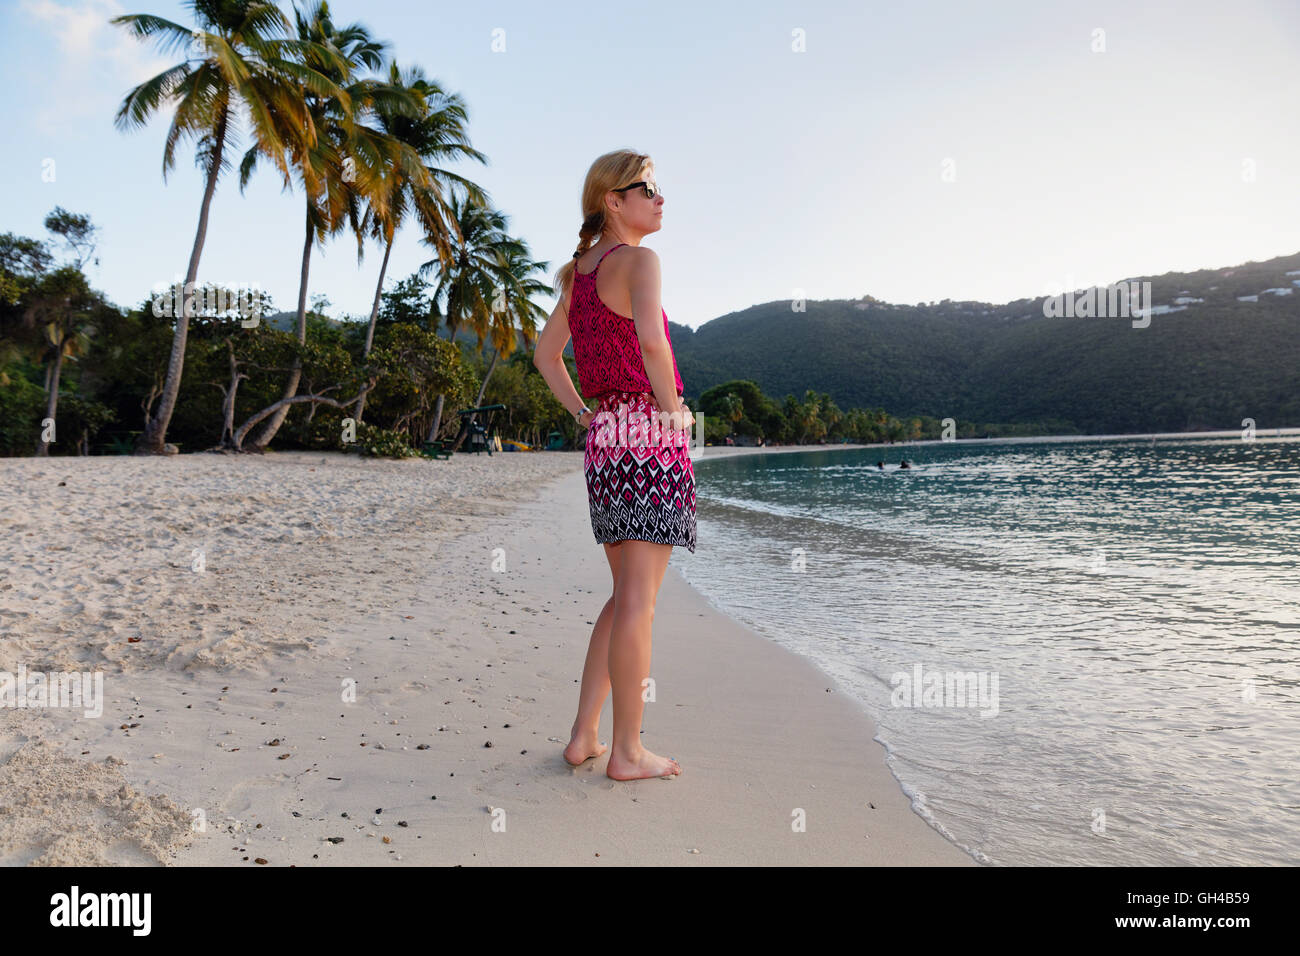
(1128, 613)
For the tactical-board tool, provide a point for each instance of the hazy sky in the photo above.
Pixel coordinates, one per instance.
(913, 152)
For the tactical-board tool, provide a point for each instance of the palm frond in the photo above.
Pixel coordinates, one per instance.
(167, 35)
(147, 98)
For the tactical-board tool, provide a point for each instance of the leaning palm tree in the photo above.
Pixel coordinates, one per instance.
(435, 135)
(239, 58)
(479, 269)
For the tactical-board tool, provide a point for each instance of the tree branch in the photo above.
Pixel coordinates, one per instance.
(317, 398)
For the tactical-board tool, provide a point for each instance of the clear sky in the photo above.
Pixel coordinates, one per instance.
(913, 151)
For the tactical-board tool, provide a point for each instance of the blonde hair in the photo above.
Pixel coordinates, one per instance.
(611, 171)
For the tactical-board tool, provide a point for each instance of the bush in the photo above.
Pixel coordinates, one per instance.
(22, 402)
(376, 442)
(324, 431)
(82, 420)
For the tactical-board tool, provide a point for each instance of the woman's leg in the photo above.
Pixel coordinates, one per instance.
(583, 739)
(640, 572)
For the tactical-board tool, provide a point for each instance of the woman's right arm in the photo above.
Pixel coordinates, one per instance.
(548, 356)
(644, 280)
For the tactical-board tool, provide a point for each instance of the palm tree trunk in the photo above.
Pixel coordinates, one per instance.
(268, 430)
(437, 417)
(228, 401)
(482, 389)
(153, 440)
(52, 398)
(374, 317)
(228, 419)
(437, 408)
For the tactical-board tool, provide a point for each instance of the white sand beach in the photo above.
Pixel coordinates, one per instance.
(310, 659)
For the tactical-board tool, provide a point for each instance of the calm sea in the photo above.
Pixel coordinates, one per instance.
(1077, 652)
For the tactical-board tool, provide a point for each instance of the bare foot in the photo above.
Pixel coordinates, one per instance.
(645, 765)
(582, 749)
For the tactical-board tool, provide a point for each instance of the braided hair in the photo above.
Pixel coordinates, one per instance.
(591, 227)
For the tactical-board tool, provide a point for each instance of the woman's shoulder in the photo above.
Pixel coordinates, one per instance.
(636, 263)
(638, 254)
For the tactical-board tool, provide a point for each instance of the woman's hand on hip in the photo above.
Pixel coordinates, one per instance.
(677, 421)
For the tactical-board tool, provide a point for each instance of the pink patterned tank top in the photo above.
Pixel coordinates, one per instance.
(606, 349)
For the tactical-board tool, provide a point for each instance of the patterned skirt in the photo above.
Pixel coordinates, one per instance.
(640, 483)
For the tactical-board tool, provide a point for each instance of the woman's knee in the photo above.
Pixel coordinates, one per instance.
(629, 603)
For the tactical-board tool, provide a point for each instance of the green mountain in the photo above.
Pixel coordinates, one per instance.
(1221, 345)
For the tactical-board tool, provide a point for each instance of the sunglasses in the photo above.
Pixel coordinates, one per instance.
(651, 190)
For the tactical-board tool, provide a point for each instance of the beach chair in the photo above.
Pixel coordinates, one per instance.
(436, 449)
(478, 436)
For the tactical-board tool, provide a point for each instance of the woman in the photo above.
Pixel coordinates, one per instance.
(640, 483)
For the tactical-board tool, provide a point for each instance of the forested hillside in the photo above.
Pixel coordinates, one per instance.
(1223, 345)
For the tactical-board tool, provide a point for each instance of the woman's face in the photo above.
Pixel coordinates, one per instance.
(643, 214)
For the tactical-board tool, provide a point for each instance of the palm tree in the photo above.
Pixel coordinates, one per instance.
(518, 313)
(438, 132)
(733, 407)
(809, 416)
(479, 270)
(829, 414)
(238, 57)
(513, 312)
(344, 160)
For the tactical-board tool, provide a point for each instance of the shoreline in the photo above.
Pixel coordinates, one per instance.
(488, 629)
(724, 451)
